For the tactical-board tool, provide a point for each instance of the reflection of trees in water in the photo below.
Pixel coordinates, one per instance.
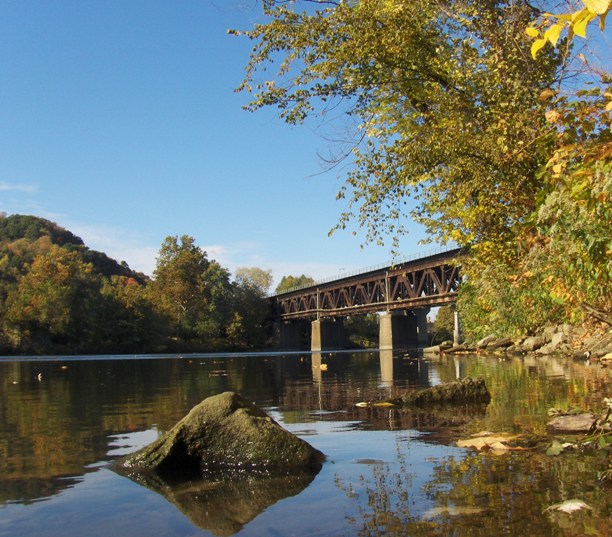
(57, 427)
(523, 389)
(480, 495)
(30, 489)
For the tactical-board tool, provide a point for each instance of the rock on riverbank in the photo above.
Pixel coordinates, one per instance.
(594, 343)
(561, 339)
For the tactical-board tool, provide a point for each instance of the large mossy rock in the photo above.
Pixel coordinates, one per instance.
(222, 432)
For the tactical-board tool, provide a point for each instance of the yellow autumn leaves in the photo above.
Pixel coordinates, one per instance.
(576, 23)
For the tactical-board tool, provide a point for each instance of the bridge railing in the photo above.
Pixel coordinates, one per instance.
(357, 272)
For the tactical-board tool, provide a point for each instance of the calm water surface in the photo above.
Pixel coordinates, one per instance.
(388, 472)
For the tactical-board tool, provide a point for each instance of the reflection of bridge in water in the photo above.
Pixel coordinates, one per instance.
(402, 294)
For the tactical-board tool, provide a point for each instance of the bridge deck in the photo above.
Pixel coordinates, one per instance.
(429, 281)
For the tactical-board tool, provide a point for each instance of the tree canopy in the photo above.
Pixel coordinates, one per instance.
(443, 99)
(57, 295)
(291, 282)
(552, 26)
(444, 106)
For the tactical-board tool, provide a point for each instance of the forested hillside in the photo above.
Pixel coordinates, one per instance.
(59, 296)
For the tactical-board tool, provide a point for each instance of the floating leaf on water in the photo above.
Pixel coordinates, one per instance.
(452, 510)
(568, 506)
(488, 441)
(499, 446)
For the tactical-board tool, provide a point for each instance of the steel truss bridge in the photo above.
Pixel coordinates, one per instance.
(429, 281)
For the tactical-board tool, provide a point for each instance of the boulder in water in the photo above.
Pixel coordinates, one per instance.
(462, 391)
(222, 432)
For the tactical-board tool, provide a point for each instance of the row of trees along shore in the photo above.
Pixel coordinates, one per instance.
(487, 121)
(59, 296)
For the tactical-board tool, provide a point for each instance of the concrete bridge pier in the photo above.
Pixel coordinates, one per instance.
(457, 336)
(402, 329)
(397, 330)
(327, 334)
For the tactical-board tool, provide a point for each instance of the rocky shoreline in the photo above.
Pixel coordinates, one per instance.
(588, 342)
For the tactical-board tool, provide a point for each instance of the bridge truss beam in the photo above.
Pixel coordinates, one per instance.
(427, 282)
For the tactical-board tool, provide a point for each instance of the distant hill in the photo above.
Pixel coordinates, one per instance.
(53, 302)
(18, 226)
(22, 237)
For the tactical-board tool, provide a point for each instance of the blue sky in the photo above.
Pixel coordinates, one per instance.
(119, 121)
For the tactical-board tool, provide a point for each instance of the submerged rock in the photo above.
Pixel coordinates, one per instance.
(462, 391)
(222, 432)
(466, 390)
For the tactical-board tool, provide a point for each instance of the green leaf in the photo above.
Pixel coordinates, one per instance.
(556, 448)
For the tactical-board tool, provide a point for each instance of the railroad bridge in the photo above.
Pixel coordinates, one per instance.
(402, 294)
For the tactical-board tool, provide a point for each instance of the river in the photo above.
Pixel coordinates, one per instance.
(388, 471)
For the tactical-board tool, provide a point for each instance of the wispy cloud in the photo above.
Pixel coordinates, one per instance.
(132, 248)
(248, 254)
(251, 254)
(17, 187)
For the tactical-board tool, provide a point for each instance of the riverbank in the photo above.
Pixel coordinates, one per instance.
(591, 341)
